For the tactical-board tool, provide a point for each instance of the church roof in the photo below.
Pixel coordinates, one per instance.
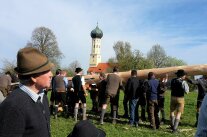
(101, 67)
(97, 33)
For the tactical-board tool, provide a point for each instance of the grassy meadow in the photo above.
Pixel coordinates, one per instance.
(61, 127)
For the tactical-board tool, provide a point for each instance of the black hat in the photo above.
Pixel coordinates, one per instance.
(77, 70)
(180, 73)
(115, 69)
(85, 128)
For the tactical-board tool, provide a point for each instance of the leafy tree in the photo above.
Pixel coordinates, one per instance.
(173, 61)
(123, 55)
(44, 40)
(127, 59)
(157, 55)
(140, 61)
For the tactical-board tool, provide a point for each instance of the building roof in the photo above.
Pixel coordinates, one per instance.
(97, 33)
(101, 67)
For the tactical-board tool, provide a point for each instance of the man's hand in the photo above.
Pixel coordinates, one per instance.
(72, 89)
(86, 94)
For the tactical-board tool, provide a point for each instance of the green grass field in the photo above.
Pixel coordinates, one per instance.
(61, 127)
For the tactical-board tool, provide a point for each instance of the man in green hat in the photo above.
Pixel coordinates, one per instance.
(25, 111)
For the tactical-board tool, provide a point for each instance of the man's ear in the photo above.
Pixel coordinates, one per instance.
(33, 79)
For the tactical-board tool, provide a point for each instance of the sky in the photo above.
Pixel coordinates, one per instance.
(179, 26)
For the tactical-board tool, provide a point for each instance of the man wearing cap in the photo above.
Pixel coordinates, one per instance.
(178, 88)
(25, 111)
(78, 83)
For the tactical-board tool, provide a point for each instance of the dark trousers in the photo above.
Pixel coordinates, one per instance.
(70, 101)
(125, 104)
(134, 115)
(153, 111)
(94, 98)
(142, 102)
(60, 98)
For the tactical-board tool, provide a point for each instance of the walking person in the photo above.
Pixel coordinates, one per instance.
(79, 88)
(133, 91)
(152, 88)
(114, 83)
(178, 89)
(25, 112)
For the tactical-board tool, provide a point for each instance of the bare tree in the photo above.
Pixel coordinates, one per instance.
(44, 40)
(71, 68)
(8, 66)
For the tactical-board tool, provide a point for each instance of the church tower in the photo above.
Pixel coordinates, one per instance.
(95, 56)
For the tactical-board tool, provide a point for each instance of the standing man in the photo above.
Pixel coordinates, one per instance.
(25, 111)
(152, 88)
(133, 91)
(94, 97)
(114, 83)
(60, 84)
(161, 97)
(52, 97)
(202, 89)
(101, 90)
(178, 88)
(80, 92)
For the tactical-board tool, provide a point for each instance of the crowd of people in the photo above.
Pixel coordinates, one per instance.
(25, 111)
(149, 94)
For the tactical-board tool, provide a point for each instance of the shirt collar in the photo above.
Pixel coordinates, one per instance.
(34, 96)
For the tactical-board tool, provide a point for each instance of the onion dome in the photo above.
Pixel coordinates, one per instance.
(96, 33)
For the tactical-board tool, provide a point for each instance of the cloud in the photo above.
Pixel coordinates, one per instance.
(178, 26)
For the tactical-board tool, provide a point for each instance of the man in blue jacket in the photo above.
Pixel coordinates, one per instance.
(152, 87)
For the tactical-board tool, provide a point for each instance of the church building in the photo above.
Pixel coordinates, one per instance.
(95, 64)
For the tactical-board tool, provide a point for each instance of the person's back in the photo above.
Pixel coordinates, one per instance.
(154, 83)
(113, 84)
(177, 89)
(133, 88)
(59, 84)
(77, 85)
